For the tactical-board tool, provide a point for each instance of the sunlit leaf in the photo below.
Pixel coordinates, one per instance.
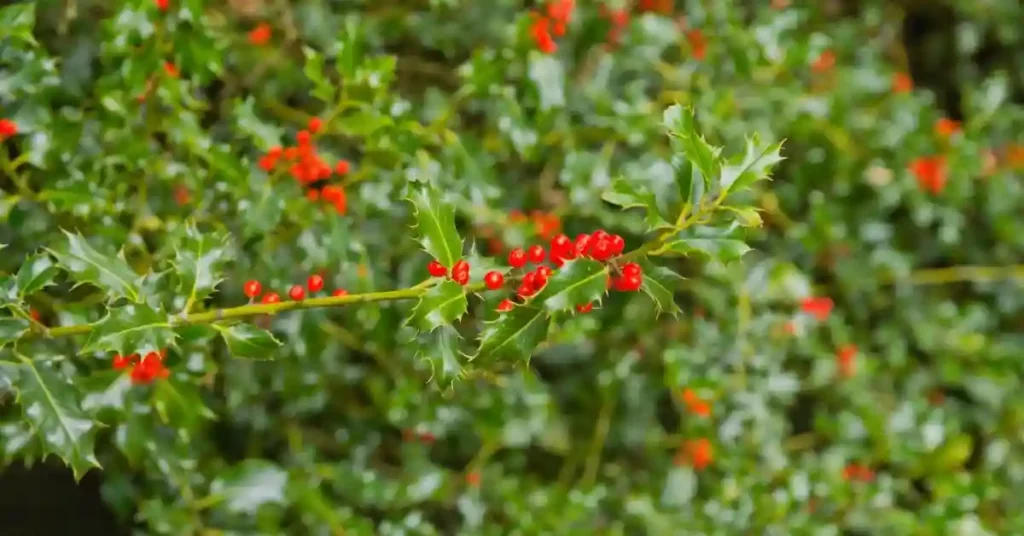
(86, 265)
(248, 341)
(442, 304)
(435, 226)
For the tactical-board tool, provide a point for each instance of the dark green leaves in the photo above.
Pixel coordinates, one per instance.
(435, 226)
(248, 486)
(86, 265)
(36, 273)
(660, 284)
(514, 334)
(441, 349)
(135, 328)
(682, 128)
(577, 282)
(627, 195)
(723, 245)
(248, 341)
(755, 164)
(11, 329)
(17, 22)
(442, 304)
(198, 261)
(52, 408)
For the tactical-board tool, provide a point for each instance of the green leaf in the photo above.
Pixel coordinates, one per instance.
(713, 243)
(435, 226)
(627, 195)
(441, 305)
(682, 128)
(248, 486)
(692, 183)
(514, 335)
(17, 22)
(136, 328)
(441, 349)
(248, 341)
(36, 273)
(756, 164)
(575, 283)
(198, 261)
(680, 487)
(51, 405)
(87, 265)
(660, 284)
(11, 329)
(314, 71)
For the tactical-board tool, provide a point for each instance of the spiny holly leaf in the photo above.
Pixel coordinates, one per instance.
(627, 195)
(441, 349)
(51, 405)
(577, 282)
(724, 245)
(514, 334)
(660, 283)
(11, 329)
(87, 265)
(246, 487)
(198, 260)
(441, 305)
(756, 164)
(248, 341)
(682, 128)
(36, 273)
(435, 226)
(136, 328)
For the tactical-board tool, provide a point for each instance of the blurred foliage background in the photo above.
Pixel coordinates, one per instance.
(858, 372)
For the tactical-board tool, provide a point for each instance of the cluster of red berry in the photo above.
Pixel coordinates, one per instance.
(618, 18)
(559, 13)
(144, 369)
(162, 5)
(697, 453)
(315, 283)
(695, 404)
(260, 35)
(308, 168)
(8, 128)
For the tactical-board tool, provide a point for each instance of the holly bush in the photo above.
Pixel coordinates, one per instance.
(503, 267)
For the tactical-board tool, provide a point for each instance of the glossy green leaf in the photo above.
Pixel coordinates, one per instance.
(627, 195)
(660, 284)
(756, 164)
(198, 261)
(441, 348)
(515, 334)
(35, 274)
(682, 129)
(248, 341)
(680, 487)
(11, 329)
(577, 282)
(719, 244)
(136, 328)
(250, 485)
(86, 265)
(442, 304)
(52, 406)
(17, 22)
(435, 226)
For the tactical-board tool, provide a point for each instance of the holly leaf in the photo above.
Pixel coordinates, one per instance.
(248, 341)
(51, 406)
(440, 348)
(627, 195)
(441, 305)
(435, 226)
(576, 282)
(723, 245)
(198, 260)
(86, 265)
(36, 273)
(246, 487)
(682, 129)
(514, 334)
(660, 283)
(756, 164)
(136, 328)
(11, 329)
(18, 21)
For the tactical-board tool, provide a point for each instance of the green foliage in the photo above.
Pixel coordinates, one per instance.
(825, 340)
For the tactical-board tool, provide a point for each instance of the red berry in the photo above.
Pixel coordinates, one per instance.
(342, 167)
(505, 306)
(629, 283)
(162, 5)
(315, 283)
(436, 269)
(631, 268)
(540, 278)
(460, 266)
(494, 280)
(582, 247)
(599, 234)
(525, 290)
(536, 254)
(271, 297)
(314, 124)
(120, 361)
(529, 279)
(601, 250)
(275, 151)
(585, 308)
(303, 137)
(517, 258)
(267, 163)
(296, 293)
(561, 246)
(618, 244)
(460, 272)
(543, 271)
(252, 288)
(339, 292)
